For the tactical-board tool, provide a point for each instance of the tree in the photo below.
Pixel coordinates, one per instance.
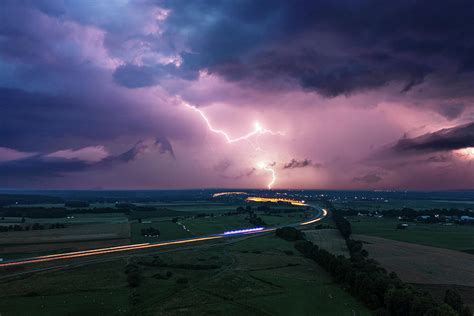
(133, 279)
(399, 301)
(422, 303)
(466, 311)
(441, 310)
(453, 299)
(289, 233)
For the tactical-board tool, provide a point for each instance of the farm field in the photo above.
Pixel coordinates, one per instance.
(328, 239)
(376, 205)
(67, 234)
(214, 225)
(168, 231)
(15, 244)
(456, 237)
(423, 264)
(98, 289)
(255, 276)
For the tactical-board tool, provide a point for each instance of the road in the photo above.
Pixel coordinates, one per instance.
(101, 251)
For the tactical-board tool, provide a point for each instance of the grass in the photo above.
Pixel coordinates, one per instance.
(168, 231)
(328, 239)
(216, 224)
(97, 289)
(457, 237)
(254, 276)
(282, 219)
(369, 205)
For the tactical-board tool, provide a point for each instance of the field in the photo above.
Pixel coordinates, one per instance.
(74, 237)
(168, 231)
(457, 237)
(328, 239)
(70, 233)
(98, 289)
(423, 264)
(383, 204)
(254, 276)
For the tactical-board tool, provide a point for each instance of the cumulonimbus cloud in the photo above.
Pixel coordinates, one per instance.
(457, 137)
(293, 164)
(68, 160)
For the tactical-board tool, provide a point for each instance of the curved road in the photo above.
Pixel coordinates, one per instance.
(93, 252)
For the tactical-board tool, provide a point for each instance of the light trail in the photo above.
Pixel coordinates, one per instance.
(229, 193)
(102, 251)
(243, 231)
(325, 212)
(256, 132)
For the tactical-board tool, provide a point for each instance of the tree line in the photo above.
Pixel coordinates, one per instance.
(35, 226)
(411, 214)
(384, 293)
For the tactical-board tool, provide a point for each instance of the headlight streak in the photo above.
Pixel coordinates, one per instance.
(256, 132)
(243, 231)
(101, 251)
(229, 193)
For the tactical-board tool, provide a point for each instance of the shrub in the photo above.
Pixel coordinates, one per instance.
(182, 281)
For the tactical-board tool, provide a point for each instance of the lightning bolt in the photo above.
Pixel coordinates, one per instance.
(256, 132)
(268, 167)
(258, 129)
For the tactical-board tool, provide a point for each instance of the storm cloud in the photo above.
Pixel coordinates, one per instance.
(342, 80)
(457, 137)
(293, 164)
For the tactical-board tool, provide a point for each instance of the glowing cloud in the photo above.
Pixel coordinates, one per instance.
(466, 153)
(258, 129)
(256, 132)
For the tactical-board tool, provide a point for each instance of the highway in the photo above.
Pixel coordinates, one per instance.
(101, 251)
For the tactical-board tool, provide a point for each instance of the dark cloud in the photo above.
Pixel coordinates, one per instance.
(39, 166)
(222, 165)
(445, 139)
(43, 165)
(243, 174)
(332, 47)
(293, 164)
(31, 120)
(452, 111)
(370, 178)
(132, 76)
(162, 144)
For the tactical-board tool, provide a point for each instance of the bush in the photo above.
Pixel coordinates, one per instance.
(441, 310)
(453, 299)
(133, 279)
(182, 281)
(290, 233)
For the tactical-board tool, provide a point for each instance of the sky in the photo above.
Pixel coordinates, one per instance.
(333, 94)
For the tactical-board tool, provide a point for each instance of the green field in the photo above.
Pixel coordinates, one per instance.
(168, 231)
(457, 237)
(256, 276)
(216, 224)
(370, 205)
(98, 289)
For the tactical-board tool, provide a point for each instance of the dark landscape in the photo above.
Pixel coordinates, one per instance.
(237, 157)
